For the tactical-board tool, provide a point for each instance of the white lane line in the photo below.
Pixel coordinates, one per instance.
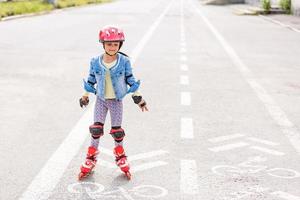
(268, 151)
(187, 129)
(280, 23)
(107, 164)
(183, 58)
(188, 177)
(182, 50)
(278, 115)
(185, 98)
(228, 147)
(285, 195)
(45, 181)
(137, 50)
(184, 80)
(225, 138)
(184, 67)
(267, 142)
(146, 166)
(183, 44)
(147, 155)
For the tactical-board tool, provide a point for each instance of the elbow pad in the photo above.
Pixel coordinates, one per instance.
(134, 87)
(88, 87)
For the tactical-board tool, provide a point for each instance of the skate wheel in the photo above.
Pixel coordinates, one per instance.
(81, 175)
(128, 175)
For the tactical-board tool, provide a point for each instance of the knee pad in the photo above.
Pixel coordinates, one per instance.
(117, 134)
(96, 130)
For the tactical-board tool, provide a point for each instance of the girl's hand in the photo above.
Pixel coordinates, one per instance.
(143, 105)
(140, 102)
(84, 101)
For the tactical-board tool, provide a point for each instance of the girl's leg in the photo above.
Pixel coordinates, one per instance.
(116, 113)
(96, 129)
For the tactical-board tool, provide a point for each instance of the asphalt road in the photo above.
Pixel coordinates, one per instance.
(223, 94)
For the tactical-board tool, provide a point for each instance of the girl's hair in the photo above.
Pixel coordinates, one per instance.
(123, 54)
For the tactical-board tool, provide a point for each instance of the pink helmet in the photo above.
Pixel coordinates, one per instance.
(111, 34)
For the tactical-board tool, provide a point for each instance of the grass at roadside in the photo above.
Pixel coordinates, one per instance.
(70, 3)
(35, 6)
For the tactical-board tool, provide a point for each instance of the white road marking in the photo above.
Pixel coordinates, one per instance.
(188, 177)
(185, 98)
(228, 147)
(183, 50)
(147, 155)
(137, 156)
(267, 142)
(280, 23)
(278, 115)
(269, 151)
(137, 50)
(225, 138)
(183, 58)
(183, 44)
(146, 166)
(105, 163)
(45, 181)
(285, 195)
(187, 129)
(184, 67)
(184, 80)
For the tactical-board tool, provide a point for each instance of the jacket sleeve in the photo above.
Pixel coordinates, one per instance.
(91, 80)
(130, 79)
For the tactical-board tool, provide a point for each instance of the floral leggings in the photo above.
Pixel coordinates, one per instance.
(115, 108)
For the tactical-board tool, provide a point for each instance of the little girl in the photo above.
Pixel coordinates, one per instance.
(112, 73)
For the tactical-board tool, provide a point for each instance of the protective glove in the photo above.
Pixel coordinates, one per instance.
(140, 102)
(84, 101)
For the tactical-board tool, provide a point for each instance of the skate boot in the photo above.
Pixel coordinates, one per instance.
(121, 161)
(90, 162)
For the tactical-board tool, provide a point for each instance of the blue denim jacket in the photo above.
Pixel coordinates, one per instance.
(121, 77)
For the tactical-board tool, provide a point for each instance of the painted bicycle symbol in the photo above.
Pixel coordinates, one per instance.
(256, 192)
(97, 191)
(248, 168)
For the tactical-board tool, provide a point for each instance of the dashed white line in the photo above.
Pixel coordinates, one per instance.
(183, 58)
(188, 177)
(185, 98)
(184, 80)
(187, 129)
(184, 67)
(183, 44)
(183, 50)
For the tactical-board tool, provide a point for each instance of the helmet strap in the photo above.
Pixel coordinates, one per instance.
(110, 54)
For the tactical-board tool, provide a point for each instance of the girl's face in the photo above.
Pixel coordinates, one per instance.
(111, 47)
